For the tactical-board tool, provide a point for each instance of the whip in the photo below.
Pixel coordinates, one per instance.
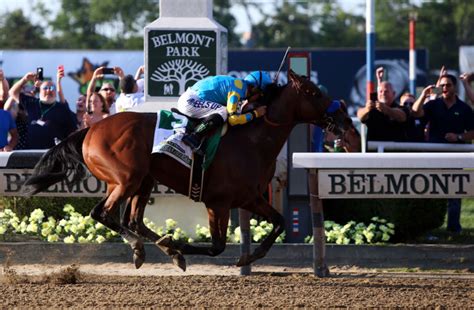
(275, 79)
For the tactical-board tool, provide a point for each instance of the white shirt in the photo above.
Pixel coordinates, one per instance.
(126, 102)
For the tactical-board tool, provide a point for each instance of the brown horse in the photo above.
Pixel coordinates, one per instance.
(117, 150)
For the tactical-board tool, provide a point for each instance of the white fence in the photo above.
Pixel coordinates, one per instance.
(387, 175)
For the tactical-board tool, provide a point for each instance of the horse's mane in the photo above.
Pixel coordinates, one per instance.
(271, 92)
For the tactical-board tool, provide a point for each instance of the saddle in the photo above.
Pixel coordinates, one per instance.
(205, 146)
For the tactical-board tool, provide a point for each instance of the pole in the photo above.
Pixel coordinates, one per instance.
(370, 45)
(412, 54)
(244, 222)
(320, 269)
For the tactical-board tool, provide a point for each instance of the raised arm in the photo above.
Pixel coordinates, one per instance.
(417, 108)
(139, 72)
(4, 88)
(16, 88)
(466, 79)
(95, 76)
(59, 76)
(442, 72)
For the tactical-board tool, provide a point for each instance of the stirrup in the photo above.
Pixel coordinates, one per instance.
(194, 143)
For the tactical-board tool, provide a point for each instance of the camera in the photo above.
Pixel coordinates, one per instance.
(108, 71)
(39, 73)
(373, 96)
(436, 90)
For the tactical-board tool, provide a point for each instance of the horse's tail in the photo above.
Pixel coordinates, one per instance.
(62, 162)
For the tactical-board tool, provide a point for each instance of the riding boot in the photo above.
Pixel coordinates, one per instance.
(195, 139)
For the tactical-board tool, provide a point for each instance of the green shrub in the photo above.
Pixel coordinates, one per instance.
(412, 217)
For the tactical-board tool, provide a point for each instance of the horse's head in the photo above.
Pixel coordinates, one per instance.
(313, 106)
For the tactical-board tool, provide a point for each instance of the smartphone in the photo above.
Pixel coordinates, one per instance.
(39, 73)
(436, 90)
(108, 71)
(373, 96)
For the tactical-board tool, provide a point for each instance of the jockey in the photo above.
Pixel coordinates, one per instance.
(216, 99)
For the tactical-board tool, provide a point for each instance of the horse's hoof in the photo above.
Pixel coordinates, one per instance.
(244, 260)
(138, 254)
(179, 261)
(138, 259)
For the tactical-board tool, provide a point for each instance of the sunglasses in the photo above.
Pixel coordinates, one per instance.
(445, 85)
(48, 88)
(108, 89)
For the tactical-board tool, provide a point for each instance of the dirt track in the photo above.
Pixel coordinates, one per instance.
(118, 285)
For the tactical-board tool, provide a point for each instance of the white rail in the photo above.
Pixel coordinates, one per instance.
(383, 160)
(381, 146)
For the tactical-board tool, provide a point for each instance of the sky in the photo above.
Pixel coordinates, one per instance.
(242, 21)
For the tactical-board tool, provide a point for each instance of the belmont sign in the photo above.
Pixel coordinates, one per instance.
(179, 58)
(11, 184)
(369, 183)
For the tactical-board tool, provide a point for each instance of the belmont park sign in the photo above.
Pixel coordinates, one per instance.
(178, 59)
(395, 183)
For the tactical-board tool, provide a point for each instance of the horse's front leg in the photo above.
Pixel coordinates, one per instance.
(263, 208)
(218, 223)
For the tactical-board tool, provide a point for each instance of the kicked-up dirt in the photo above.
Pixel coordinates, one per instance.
(205, 286)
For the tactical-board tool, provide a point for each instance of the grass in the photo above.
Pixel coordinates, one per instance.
(441, 236)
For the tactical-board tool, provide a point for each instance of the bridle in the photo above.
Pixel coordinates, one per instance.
(326, 122)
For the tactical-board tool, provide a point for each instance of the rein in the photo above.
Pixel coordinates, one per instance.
(274, 124)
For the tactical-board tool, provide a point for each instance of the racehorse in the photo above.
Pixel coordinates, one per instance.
(117, 150)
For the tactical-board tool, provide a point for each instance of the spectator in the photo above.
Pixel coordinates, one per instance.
(7, 127)
(80, 110)
(96, 110)
(384, 117)
(451, 121)
(47, 120)
(467, 79)
(4, 88)
(21, 120)
(107, 90)
(415, 126)
(129, 97)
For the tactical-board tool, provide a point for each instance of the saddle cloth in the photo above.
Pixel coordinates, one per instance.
(169, 130)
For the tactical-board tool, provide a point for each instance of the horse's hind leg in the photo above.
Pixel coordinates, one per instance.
(136, 210)
(263, 208)
(101, 213)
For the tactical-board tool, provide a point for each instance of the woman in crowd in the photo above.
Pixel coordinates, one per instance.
(97, 110)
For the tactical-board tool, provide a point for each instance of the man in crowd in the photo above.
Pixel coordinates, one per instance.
(383, 116)
(48, 120)
(415, 126)
(451, 121)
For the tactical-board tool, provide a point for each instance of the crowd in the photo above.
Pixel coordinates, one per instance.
(34, 113)
(436, 116)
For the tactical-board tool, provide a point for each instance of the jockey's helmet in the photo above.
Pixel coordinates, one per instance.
(259, 79)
